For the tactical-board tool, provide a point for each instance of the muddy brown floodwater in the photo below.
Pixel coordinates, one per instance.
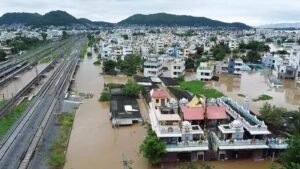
(13, 87)
(253, 84)
(94, 144)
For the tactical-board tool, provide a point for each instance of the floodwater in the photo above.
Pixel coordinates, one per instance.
(94, 144)
(253, 84)
(11, 88)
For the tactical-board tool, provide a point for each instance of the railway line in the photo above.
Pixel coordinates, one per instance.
(19, 145)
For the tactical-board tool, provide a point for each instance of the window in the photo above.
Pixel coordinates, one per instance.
(157, 100)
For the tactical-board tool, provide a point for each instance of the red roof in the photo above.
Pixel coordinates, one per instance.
(159, 94)
(193, 113)
(197, 113)
(216, 112)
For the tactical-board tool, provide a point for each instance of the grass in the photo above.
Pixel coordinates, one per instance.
(2, 102)
(57, 159)
(263, 97)
(198, 88)
(83, 50)
(241, 95)
(11, 116)
(105, 96)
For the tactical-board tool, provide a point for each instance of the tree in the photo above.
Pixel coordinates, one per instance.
(131, 63)
(220, 51)
(64, 35)
(199, 50)
(189, 63)
(290, 157)
(131, 88)
(152, 148)
(213, 38)
(272, 114)
(2, 55)
(44, 36)
(193, 166)
(109, 65)
(298, 41)
(253, 57)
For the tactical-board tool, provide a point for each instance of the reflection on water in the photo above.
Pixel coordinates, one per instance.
(253, 84)
(13, 87)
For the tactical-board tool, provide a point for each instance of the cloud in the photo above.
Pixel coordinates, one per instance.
(252, 12)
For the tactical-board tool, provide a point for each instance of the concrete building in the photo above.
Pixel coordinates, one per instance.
(205, 71)
(153, 67)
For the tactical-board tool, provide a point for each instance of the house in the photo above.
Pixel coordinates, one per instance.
(205, 71)
(235, 66)
(153, 67)
(177, 67)
(181, 137)
(124, 110)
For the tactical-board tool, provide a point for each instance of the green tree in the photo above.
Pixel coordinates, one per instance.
(109, 65)
(199, 50)
(272, 114)
(252, 57)
(219, 51)
(2, 55)
(131, 88)
(152, 148)
(132, 62)
(291, 156)
(213, 39)
(64, 35)
(298, 41)
(44, 36)
(189, 63)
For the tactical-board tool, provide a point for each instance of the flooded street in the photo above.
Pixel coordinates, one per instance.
(254, 84)
(13, 87)
(94, 144)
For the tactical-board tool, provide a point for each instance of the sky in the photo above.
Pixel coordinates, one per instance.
(251, 12)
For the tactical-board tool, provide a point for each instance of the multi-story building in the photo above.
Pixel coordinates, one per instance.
(153, 67)
(235, 66)
(205, 71)
(177, 67)
(179, 136)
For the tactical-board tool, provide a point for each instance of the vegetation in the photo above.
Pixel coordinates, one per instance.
(98, 62)
(11, 116)
(219, 51)
(89, 54)
(56, 159)
(2, 55)
(288, 124)
(163, 19)
(114, 85)
(18, 18)
(263, 97)
(131, 88)
(241, 95)
(138, 34)
(105, 96)
(23, 43)
(109, 65)
(194, 166)
(125, 36)
(83, 50)
(198, 88)
(130, 64)
(252, 57)
(152, 148)
(189, 63)
(44, 36)
(255, 46)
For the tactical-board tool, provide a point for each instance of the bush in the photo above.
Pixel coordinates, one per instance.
(131, 88)
(98, 62)
(263, 97)
(89, 54)
(105, 96)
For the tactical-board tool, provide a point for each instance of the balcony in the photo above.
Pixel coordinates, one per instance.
(188, 146)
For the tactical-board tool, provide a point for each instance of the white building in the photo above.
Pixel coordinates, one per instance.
(205, 72)
(153, 67)
(177, 67)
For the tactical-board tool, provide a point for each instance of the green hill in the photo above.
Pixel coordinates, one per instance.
(164, 19)
(19, 18)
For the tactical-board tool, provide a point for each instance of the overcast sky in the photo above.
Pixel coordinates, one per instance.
(252, 12)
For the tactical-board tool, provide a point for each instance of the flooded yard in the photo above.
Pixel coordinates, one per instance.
(253, 84)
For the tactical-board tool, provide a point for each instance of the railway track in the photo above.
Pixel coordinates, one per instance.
(18, 147)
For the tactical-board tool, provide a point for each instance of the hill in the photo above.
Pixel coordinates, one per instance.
(164, 19)
(56, 18)
(19, 18)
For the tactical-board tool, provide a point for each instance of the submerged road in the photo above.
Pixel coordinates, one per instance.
(18, 146)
